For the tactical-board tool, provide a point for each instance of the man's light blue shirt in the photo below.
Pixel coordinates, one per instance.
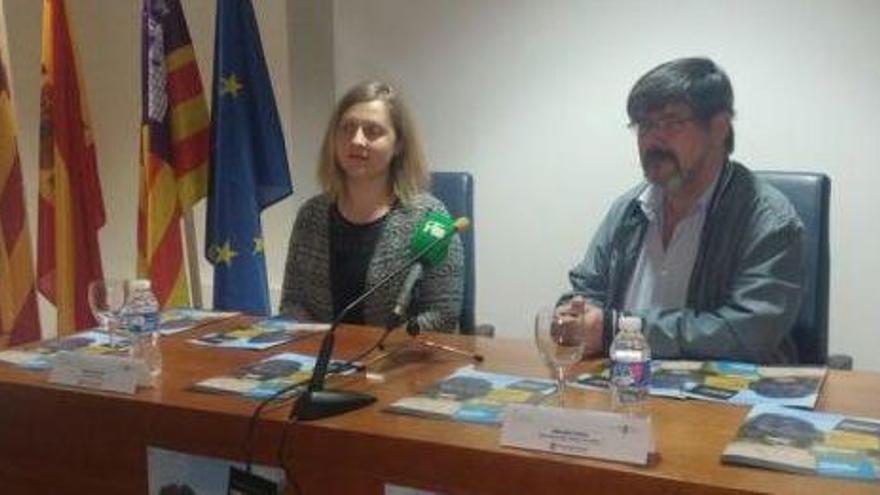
(661, 276)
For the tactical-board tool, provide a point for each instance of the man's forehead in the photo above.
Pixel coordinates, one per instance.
(671, 109)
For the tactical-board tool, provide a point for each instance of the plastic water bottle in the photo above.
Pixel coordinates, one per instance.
(630, 367)
(140, 316)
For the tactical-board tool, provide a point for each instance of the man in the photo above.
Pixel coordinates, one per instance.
(706, 253)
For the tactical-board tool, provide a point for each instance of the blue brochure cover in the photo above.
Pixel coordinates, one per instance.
(261, 334)
(725, 381)
(807, 442)
(175, 320)
(264, 378)
(474, 396)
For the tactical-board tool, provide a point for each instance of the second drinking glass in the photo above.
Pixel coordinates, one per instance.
(560, 342)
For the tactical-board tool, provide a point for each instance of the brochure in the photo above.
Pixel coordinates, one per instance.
(473, 396)
(261, 334)
(176, 320)
(725, 381)
(264, 378)
(88, 342)
(808, 442)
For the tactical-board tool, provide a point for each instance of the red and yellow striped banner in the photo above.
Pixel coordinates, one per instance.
(70, 201)
(174, 148)
(19, 319)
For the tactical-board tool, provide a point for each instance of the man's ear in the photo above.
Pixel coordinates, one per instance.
(719, 127)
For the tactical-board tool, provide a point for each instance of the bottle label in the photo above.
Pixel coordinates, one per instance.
(135, 323)
(143, 322)
(141, 314)
(151, 322)
(630, 374)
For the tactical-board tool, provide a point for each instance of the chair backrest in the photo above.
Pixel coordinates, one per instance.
(456, 191)
(809, 193)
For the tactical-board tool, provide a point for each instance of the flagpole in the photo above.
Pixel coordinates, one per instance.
(192, 259)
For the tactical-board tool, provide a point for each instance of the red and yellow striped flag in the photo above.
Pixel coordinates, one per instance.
(71, 206)
(19, 319)
(174, 147)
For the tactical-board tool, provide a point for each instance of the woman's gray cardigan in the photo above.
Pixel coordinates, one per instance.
(307, 287)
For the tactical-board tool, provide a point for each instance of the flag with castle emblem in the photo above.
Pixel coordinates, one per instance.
(70, 200)
(174, 148)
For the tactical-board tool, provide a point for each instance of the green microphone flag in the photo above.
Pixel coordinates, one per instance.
(435, 225)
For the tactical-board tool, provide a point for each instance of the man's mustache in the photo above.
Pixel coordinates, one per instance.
(656, 155)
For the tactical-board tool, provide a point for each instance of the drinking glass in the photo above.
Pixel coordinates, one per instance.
(106, 298)
(560, 341)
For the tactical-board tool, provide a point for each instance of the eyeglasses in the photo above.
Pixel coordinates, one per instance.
(667, 125)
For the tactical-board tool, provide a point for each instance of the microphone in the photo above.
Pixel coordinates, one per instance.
(317, 403)
(398, 314)
(435, 225)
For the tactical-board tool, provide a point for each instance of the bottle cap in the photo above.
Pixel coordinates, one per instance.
(630, 323)
(139, 284)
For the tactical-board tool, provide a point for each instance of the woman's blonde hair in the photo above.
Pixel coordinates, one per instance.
(408, 172)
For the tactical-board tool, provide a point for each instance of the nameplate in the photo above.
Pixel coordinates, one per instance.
(107, 373)
(578, 432)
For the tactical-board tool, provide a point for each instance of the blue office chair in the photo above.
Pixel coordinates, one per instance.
(456, 190)
(809, 193)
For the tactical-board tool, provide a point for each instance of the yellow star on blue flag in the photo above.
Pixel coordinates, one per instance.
(230, 85)
(224, 254)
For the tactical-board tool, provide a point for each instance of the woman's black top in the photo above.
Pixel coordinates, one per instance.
(351, 249)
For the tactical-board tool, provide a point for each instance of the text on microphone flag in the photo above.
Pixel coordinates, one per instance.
(435, 225)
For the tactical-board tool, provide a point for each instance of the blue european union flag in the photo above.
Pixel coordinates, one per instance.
(249, 168)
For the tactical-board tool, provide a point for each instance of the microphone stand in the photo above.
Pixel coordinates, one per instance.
(414, 330)
(317, 403)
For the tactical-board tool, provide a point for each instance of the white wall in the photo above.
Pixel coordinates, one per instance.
(530, 98)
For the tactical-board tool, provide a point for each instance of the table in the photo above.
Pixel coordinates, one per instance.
(61, 440)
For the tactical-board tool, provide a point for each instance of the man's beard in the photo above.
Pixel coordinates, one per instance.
(657, 157)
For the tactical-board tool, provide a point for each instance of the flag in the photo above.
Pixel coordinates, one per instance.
(174, 147)
(71, 208)
(249, 163)
(19, 318)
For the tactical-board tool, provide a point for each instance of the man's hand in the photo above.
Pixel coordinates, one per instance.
(578, 312)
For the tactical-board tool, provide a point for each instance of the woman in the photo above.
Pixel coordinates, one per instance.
(358, 230)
